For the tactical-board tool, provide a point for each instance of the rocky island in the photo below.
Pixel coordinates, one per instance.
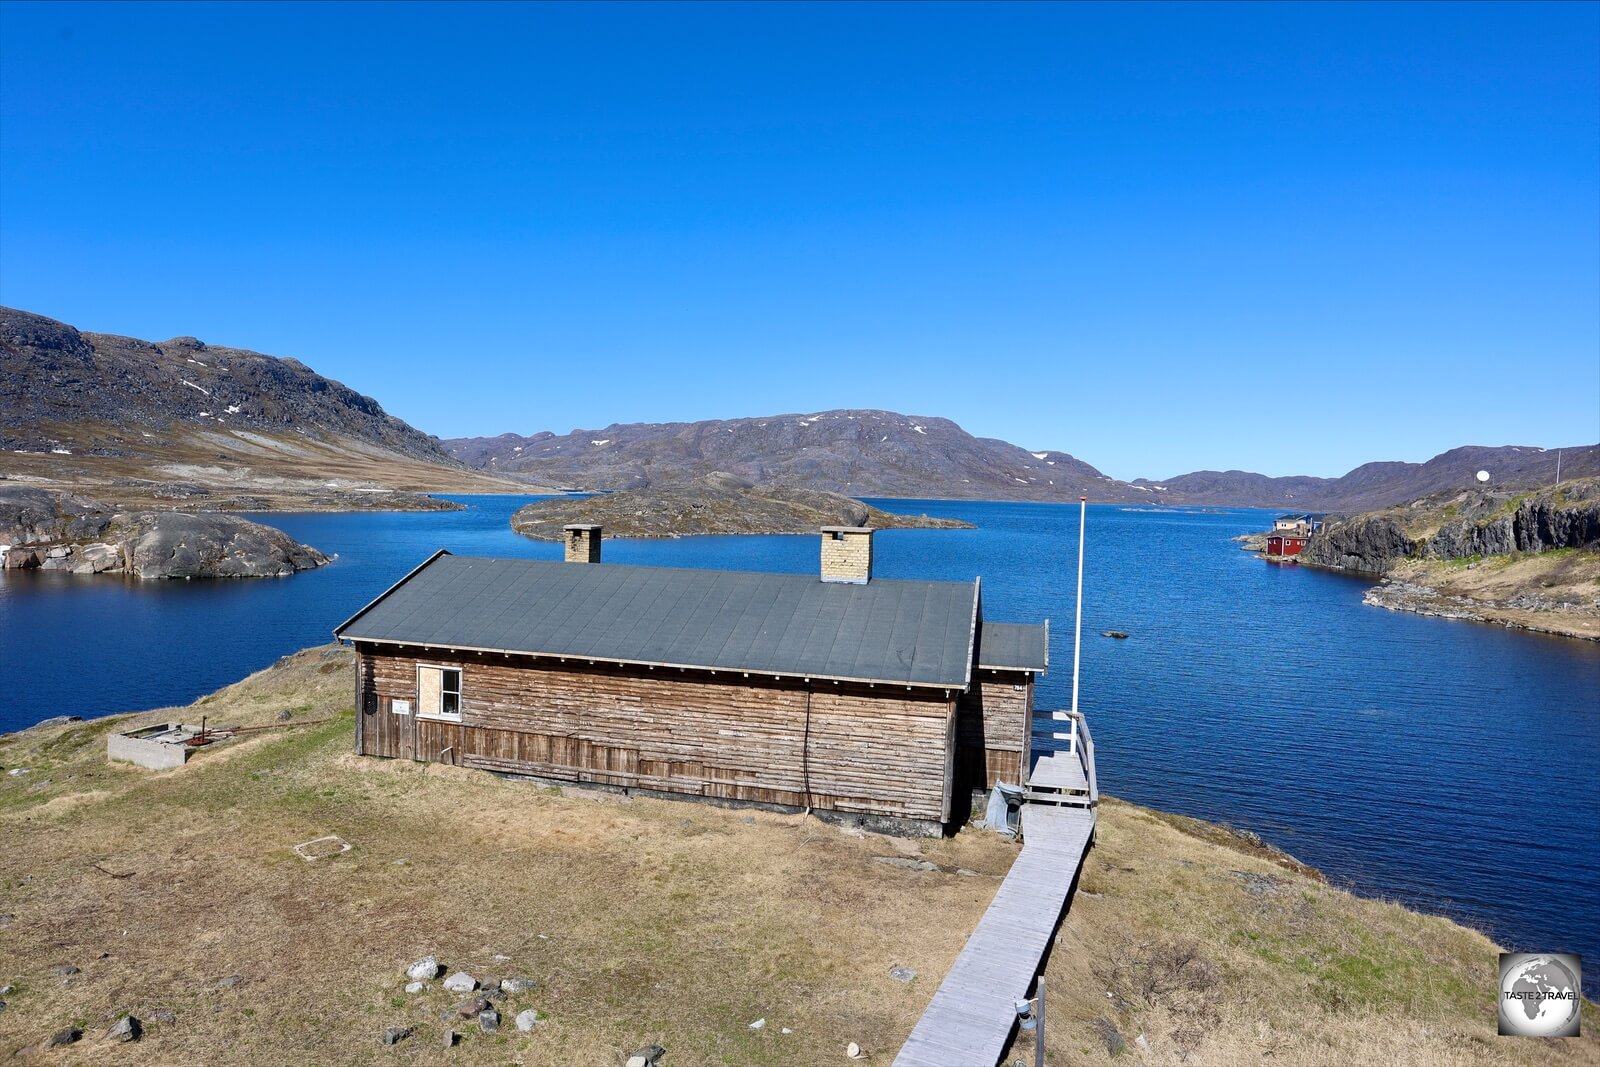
(1529, 560)
(45, 530)
(715, 504)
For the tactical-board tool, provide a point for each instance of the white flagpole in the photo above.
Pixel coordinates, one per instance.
(1077, 629)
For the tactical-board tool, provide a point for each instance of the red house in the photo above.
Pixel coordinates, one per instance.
(1285, 544)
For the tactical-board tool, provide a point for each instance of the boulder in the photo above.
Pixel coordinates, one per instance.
(489, 1021)
(470, 1007)
(63, 1037)
(425, 969)
(461, 982)
(519, 985)
(125, 1029)
(527, 1020)
(395, 1034)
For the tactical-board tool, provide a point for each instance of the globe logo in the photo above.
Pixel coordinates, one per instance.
(1540, 994)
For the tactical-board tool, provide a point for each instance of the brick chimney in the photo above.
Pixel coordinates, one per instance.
(583, 543)
(847, 554)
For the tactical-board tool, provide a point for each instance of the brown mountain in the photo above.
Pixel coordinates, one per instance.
(854, 452)
(886, 454)
(209, 425)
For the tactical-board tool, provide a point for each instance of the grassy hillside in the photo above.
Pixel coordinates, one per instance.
(178, 896)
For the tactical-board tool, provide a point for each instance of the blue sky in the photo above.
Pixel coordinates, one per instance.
(1287, 239)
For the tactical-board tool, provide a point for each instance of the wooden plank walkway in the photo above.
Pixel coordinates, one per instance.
(970, 1018)
(1059, 770)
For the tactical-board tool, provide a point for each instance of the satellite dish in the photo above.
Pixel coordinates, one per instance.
(1483, 476)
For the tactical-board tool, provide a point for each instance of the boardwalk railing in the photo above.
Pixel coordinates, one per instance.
(1081, 744)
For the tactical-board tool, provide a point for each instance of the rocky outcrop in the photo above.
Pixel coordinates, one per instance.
(56, 531)
(1461, 524)
(1535, 524)
(1366, 544)
(718, 504)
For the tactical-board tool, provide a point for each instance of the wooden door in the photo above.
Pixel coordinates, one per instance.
(406, 743)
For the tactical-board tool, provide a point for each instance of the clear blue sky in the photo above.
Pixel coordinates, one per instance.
(1288, 239)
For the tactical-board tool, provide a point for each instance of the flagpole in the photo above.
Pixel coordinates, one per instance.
(1077, 629)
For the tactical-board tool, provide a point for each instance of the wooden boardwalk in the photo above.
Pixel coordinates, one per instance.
(972, 1013)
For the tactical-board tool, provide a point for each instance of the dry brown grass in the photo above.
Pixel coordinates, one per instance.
(1220, 953)
(284, 471)
(644, 920)
(1567, 581)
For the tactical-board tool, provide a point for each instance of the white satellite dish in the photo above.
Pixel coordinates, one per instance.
(1483, 476)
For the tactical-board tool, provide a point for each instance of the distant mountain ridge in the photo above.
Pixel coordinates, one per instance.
(886, 454)
(853, 452)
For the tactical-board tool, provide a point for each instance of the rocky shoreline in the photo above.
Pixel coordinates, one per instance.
(1557, 594)
(41, 530)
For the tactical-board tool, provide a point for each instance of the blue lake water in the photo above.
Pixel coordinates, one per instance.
(1449, 765)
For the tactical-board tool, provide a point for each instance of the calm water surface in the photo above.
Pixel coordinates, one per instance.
(1450, 765)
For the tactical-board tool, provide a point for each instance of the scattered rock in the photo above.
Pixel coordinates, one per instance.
(285, 716)
(4, 989)
(449, 1040)
(758, 1024)
(424, 969)
(63, 1037)
(59, 720)
(902, 974)
(748, 820)
(786, 1030)
(18, 772)
(232, 981)
(164, 1015)
(61, 970)
(1144, 1045)
(907, 862)
(396, 1034)
(489, 1021)
(519, 985)
(471, 1006)
(2, 1006)
(854, 1051)
(501, 958)
(461, 982)
(415, 987)
(1109, 1035)
(6, 920)
(527, 1020)
(649, 1056)
(126, 1029)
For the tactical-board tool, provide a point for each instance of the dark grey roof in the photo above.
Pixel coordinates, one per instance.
(1014, 645)
(913, 633)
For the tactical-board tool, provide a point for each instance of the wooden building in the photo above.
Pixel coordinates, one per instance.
(873, 699)
(1286, 544)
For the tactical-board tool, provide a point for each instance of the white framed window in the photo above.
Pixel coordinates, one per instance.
(439, 693)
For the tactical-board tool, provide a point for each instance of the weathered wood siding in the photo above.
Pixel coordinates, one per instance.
(875, 750)
(994, 729)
